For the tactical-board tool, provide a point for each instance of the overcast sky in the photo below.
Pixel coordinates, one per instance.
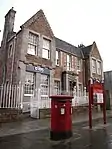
(75, 21)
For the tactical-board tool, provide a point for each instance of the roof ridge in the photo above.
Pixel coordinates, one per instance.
(36, 16)
(66, 42)
(31, 18)
(88, 45)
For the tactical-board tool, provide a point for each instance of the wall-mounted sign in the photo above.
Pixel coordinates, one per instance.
(98, 96)
(97, 93)
(38, 69)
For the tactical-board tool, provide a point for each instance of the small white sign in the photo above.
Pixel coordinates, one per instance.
(39, 69)
(99, 98)
(62, 111)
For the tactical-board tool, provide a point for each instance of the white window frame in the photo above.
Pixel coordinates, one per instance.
(46, 48)
(69, 62)
(94, 68)
(44, 85)
(57, 87)
(27, 87)
(78, 64)
(57, 58)
(33, 43)
(99, 62)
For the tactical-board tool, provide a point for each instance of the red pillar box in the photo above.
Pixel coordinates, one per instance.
(61, 121)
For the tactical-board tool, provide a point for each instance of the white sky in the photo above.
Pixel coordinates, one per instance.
(75, 21)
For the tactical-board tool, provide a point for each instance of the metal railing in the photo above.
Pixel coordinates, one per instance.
(10, 95)
(79, 98)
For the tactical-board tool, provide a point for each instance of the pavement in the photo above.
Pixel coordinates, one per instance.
(32, 125)
(34, 134)
(100, 137)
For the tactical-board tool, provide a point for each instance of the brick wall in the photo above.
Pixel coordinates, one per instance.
(41, 26)
(58, 72)
(64, 59)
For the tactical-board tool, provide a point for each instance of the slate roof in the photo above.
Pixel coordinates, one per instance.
(67, 47)
(86, 50)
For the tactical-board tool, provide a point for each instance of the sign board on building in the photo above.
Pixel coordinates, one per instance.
(38, 69)
(97, 93)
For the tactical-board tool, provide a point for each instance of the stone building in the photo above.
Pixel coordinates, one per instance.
(108, 88)
(38, 59)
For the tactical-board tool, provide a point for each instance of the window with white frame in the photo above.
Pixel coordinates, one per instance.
(29, 83)
(78, 63)
(69, 62)
(57, 87)
(44, 86)
(93, 66)
(99, 67)
(33, 44)
(10, 51)
(46, 48)
(57, 58)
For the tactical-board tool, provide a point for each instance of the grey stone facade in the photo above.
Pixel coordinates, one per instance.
(13, 69)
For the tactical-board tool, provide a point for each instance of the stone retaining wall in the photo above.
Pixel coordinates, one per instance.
(9, 115)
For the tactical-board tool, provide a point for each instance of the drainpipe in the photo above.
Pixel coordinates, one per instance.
(12, 64)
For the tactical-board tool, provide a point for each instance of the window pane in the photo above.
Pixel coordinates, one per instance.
(57, 57)
(29, 83)
(57, 87)
(33, 38)
(44, 86)
(31, 49)
(99, 67)
(45, 53)
(93, 66)
(29, 77)
(68, 62)
(78, 63)
(44, 79)
(57, 54)
(46, 44)
(68, 58)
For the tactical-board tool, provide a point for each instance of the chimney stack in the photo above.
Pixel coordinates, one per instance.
(9, 23)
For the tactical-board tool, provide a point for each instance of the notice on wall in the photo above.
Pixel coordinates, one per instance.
(98, 96)
(62, 111)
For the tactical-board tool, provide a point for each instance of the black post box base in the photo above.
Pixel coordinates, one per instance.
(56, 136)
